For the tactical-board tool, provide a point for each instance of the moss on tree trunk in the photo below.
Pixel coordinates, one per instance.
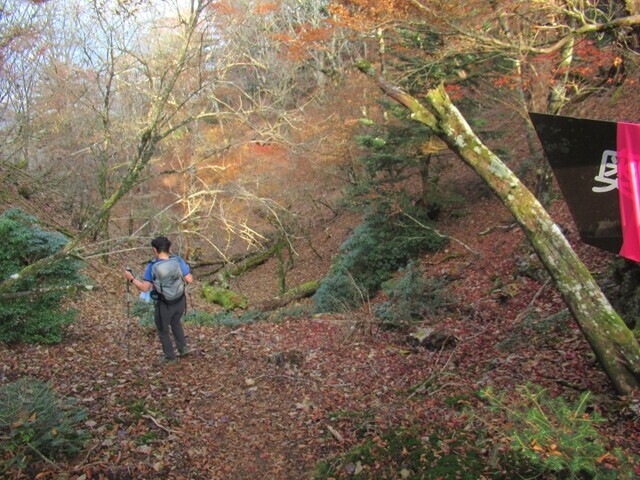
(303, 290)
(252, 261)
(227, 299)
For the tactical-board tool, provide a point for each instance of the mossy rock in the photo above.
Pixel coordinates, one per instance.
(227, 299)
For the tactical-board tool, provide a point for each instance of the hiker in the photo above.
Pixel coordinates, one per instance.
(165, 276)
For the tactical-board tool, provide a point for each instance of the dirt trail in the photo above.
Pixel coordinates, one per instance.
(236, 409)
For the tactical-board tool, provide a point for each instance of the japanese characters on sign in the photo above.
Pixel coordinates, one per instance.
(607, 178)
(582, 154)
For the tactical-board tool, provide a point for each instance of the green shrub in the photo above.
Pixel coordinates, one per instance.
(34, 318)
(230, 319)
(551, 437)
(396, 227)
(406, 453)
(394, 154)
(376, 249)
(144, 312)
(198, 317)
(338, 292)
(411, 297)
(297, 311)
(35, 425)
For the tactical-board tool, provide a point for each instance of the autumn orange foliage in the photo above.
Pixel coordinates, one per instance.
(363, 15)
(265, 8)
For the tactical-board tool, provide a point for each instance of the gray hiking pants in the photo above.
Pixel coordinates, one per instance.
(169, 317)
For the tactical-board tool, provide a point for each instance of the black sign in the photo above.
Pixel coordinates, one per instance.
(582, 155)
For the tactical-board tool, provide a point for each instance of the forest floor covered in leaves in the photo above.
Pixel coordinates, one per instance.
(274, 398)
(271, 399)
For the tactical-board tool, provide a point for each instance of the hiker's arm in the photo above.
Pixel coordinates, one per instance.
(141, 285)
(186, 272)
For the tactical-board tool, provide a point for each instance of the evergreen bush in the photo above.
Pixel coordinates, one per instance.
(295, 311)
(37, 317)
(231, 319)
(551, 437)
(35, 425)
(376, 249)
(396, 226)
(396, 154)
(197, 317)
(144, 312)
(411, 297)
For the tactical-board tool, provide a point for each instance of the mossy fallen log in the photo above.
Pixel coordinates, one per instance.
(227, 299)
(252, 261)
(66, 290)
(303, 290)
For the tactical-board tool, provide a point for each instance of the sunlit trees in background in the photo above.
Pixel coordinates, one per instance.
(21, 46)
(178, 110)
(185, 118)
(261, 123)
(158, 109)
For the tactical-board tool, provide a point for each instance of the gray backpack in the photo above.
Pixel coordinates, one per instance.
(167, 280)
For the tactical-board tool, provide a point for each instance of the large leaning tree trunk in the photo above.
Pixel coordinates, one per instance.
(613, 343)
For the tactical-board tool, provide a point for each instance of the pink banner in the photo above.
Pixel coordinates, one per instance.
(628, 154)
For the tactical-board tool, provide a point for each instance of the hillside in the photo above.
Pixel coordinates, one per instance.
(271, 399)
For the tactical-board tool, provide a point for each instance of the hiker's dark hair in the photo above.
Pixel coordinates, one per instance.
(161, 244)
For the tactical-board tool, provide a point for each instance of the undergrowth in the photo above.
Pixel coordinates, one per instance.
(411, 298)
(144, 312)
(293, 311)
(376, 249)
(407, 453)
(537, 330)
(555, 439)
(397, 223)
(525, 434)
(34, 315)
(35, 425)
(231, 319)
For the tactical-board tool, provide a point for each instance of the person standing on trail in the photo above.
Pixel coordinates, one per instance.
(166, 276)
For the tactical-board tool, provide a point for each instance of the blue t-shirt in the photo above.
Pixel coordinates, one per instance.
(147, 277)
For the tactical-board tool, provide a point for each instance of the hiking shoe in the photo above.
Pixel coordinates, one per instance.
(164, 359)
(183, 352)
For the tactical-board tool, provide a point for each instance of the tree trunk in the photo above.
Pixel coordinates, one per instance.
(285, 263)
(301, 291)
(613, 343)
(556, 101)
(67, 290)
(425, 163)
(252, 261)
